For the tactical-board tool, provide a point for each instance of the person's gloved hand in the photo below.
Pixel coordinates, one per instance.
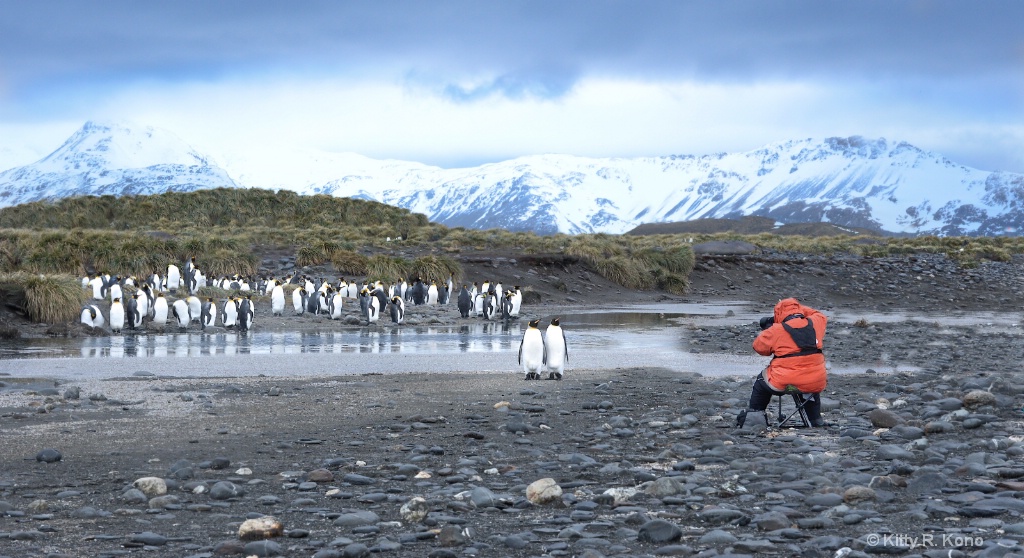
(767, 322)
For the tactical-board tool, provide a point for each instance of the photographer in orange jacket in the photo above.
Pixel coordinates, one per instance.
(793, 337)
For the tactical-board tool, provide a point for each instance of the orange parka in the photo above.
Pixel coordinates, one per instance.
(806, 371)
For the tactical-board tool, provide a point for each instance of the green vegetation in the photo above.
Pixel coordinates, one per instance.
(229, 230)
(381, 267)
(44, 298)
(435, 269)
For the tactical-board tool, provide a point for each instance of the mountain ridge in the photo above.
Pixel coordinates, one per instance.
(870, 184)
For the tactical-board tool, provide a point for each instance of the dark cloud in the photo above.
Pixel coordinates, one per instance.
(535, 47)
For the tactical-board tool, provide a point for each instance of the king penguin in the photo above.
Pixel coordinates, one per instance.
(397, 309)
(116, 316)
(132, 316)
(506, 306)
(531, 351)
(145, 300)
(229, 315)
(97, 287)
(372, 310)
(299, 301)
(556, 350)
(277, 298)
(114, 289)
(195, 307)
(432, 293)
(173, 278)
(91, 315)
(181, 314)
(517, 301)
(490, 306)
(335, 304)
(160, 310)
(244, 314)
(465, 302)
(207, 313)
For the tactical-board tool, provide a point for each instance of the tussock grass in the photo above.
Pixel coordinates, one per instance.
(44, 298)
(203, 209)
(347, 262)
(225, 228)
(386, 268)
(624, 271)
(225, 261)
(435, 268)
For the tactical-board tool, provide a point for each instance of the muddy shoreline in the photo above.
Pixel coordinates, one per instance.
(647, 459)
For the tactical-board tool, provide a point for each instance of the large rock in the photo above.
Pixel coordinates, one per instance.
(978, 398)
(265, 527)
(544, 491)
(151, 486)
(725, 248)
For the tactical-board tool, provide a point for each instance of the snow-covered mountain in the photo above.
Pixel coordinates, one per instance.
(115, 159)
(869, 183)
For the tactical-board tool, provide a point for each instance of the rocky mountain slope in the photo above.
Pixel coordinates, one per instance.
(857, 182)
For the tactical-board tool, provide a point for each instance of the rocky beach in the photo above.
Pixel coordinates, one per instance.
(921, 455)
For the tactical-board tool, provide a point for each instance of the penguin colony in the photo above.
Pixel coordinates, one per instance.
(169, 298)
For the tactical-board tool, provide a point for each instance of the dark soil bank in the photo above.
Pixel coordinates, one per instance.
(640, 462)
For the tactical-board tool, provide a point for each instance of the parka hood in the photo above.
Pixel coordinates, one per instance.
(785, 308)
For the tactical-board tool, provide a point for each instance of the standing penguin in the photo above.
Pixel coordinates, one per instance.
(116, 316)
(506, 306)
(364, 301)
(556, 350)
(490, 306)
(229, 314)
(207, 313)
(97, 287)
(419, 292)
(449, 289)
(478, 304)
(299, 300)
(245, 314)
(531, 351)
(432, 293)
(335, 305)
(160, 310)
(145, 299)
(173, 278)
(397, 309)
(323, 300)
(132, 316)
(91, 315)
(382, 296)
(517, 301)
(372, 310)
(465, 302)
(114, 289)
(181, 314)
(277, 298)
(195, 307)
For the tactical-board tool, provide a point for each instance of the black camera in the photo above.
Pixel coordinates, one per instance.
(767, 322)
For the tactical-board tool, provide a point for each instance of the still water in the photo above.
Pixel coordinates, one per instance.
(644, 328)
(613, 338)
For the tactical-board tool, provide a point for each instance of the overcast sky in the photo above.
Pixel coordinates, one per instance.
(465, 82)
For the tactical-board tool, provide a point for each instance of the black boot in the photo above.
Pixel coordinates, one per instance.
(741, 418)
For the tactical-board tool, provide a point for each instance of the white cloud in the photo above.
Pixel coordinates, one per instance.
(597, 117)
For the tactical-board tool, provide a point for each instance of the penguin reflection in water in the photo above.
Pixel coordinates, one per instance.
(531, 351)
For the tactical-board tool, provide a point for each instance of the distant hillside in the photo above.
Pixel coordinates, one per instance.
(750, 225)
(853, 182)
(235, 207)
